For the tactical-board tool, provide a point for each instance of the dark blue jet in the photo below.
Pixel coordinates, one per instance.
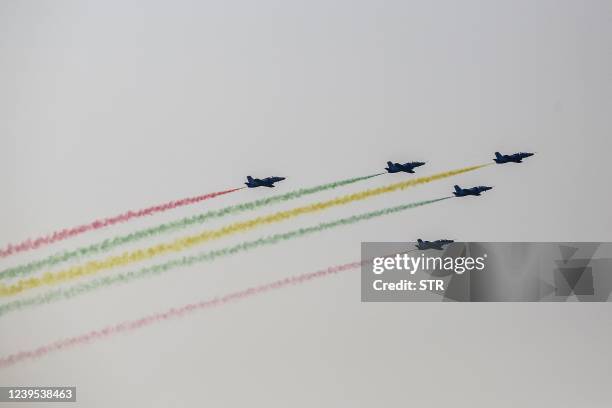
(474, 191)
(438, 244)
(406, 167)
(267, 182)
(511, 158)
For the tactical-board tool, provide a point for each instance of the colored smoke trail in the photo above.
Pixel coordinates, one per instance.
(107, 245)
(61, 235)
(83, 288)
(180, 244)
(172, 313)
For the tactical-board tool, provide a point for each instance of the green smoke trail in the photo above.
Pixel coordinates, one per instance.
(108, 244)
(208, 256)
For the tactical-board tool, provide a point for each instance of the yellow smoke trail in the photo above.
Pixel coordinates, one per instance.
(180, 244)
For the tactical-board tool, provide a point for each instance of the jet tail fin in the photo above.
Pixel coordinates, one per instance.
(249, 179)
(420, 241)
(389, 164)
(498, 155)
(457, 188)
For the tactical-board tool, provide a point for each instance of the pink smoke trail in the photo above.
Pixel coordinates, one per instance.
(172, 313)
(61, 235)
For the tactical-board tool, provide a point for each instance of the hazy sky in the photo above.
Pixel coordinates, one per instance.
(111, 105)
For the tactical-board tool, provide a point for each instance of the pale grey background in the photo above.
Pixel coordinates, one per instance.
(111, 105)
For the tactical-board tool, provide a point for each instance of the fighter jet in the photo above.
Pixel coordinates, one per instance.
(438, 244)
(267, 182)
(511, 158)
(406, 167)
(474, 191)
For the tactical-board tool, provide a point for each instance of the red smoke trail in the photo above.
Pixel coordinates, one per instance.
(103, 223)
(171, 314)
